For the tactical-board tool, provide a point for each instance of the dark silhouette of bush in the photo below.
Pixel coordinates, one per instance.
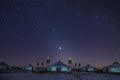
(99, 71)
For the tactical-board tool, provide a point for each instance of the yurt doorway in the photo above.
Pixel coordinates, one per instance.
(58, 69)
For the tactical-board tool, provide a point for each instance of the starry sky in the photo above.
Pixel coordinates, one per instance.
(88, 31)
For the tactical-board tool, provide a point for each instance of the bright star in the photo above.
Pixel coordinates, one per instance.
(53, 28)
(60, 48)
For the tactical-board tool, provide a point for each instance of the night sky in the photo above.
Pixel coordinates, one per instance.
(86, 30)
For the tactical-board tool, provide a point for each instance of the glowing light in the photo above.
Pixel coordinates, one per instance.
(48, 57)
(53, 28)
(60, 48)
(69, 58)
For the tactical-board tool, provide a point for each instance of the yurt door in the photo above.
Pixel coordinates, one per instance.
(58, 69)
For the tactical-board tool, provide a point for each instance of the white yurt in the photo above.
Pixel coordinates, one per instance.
(59, 67)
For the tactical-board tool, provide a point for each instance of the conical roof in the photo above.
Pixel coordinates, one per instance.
(89, 66)
(115, 65)
(3, 63)
(115, 62)
(59, 64)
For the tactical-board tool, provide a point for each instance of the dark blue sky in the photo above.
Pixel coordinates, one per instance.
(86, 30)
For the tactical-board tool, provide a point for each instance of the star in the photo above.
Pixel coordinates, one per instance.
(79, 15)
(60, 48)
(53, 29)
(100, 44)
(96, 16)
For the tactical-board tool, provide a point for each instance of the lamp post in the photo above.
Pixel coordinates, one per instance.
(70, 61)
(48, 61)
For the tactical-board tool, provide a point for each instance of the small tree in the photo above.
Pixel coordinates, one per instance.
(37, 63)
(79, 64)
(42, 64)
(75, 64)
